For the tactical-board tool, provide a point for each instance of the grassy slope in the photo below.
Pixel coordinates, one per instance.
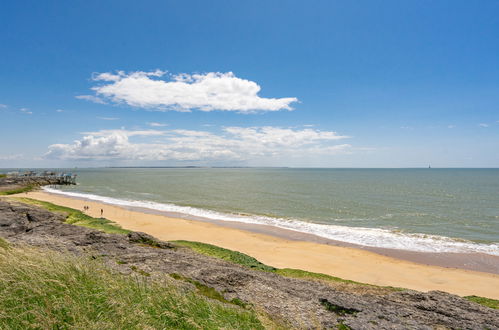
(492, 303)
(250, 262)
(78, 218)
(17, 191)
(50, 290)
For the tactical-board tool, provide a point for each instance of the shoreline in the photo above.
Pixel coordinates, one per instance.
(480, 262)
(277, 248)
(475, 261)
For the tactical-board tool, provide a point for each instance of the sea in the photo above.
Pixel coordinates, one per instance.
(425, 210)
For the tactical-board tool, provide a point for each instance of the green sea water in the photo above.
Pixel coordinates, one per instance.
(415, 209)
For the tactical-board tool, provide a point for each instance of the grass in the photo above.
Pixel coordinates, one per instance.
(297, 273)
(17, 191)
(3, 176)
(48, 290)
(226, 254)
(491, 303)
(4, 244)
(76, 217)
(250, 262)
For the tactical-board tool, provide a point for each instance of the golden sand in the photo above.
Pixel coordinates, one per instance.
(348, 263)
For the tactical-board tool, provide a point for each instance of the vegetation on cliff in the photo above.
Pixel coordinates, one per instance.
(50, 290)
(17, 190)
(76, 217)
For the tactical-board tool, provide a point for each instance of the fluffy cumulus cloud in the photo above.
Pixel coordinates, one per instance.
(232, 144)
(184, 92)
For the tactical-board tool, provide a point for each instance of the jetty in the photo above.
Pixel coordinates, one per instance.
(22, 179)
(45, 177)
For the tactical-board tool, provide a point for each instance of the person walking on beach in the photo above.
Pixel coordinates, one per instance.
(101, 212)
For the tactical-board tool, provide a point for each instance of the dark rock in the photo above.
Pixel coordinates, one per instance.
(143, 238)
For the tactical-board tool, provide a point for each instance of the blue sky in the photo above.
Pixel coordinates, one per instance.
(342, 83)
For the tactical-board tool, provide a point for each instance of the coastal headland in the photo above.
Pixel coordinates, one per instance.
(62, 268)
(345, 262)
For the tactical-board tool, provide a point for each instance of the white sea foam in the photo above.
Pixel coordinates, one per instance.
(374, 237)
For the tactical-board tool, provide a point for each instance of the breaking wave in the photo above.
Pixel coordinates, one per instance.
(373, 237)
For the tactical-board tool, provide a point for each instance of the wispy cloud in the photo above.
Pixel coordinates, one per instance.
(232, 144)
(26, 111)
(11, 157)
(184, 92)
(451, 126)
(153, 124)
(107, 118)
(3, 106)
(483, 125)
(91, 98)
(59, 110)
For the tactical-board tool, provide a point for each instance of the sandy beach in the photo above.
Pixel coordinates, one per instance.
(345, 262)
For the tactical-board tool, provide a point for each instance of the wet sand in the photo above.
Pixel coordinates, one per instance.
(288, 249)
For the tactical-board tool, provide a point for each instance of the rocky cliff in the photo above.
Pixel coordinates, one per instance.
(299, 303)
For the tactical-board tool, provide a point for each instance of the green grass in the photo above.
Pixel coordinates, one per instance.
(42, 289)
(3, 176)
(4, 244)
(17, 191)
(76, 217)
(225, 254)
(297, 273)
(491, 303)
(250, 262)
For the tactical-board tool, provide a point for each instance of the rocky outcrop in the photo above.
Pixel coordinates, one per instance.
(13, 183)
(300, 303)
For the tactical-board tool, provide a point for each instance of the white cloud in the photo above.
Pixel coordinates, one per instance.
(108, 132)
(483, 125)
(3, 106)
(232, 144)
(107, 118)
(26, 111)
(91, 98)
(153, 124)
(451, 126)
(11, 157)
(184, 92)
(59, 110)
